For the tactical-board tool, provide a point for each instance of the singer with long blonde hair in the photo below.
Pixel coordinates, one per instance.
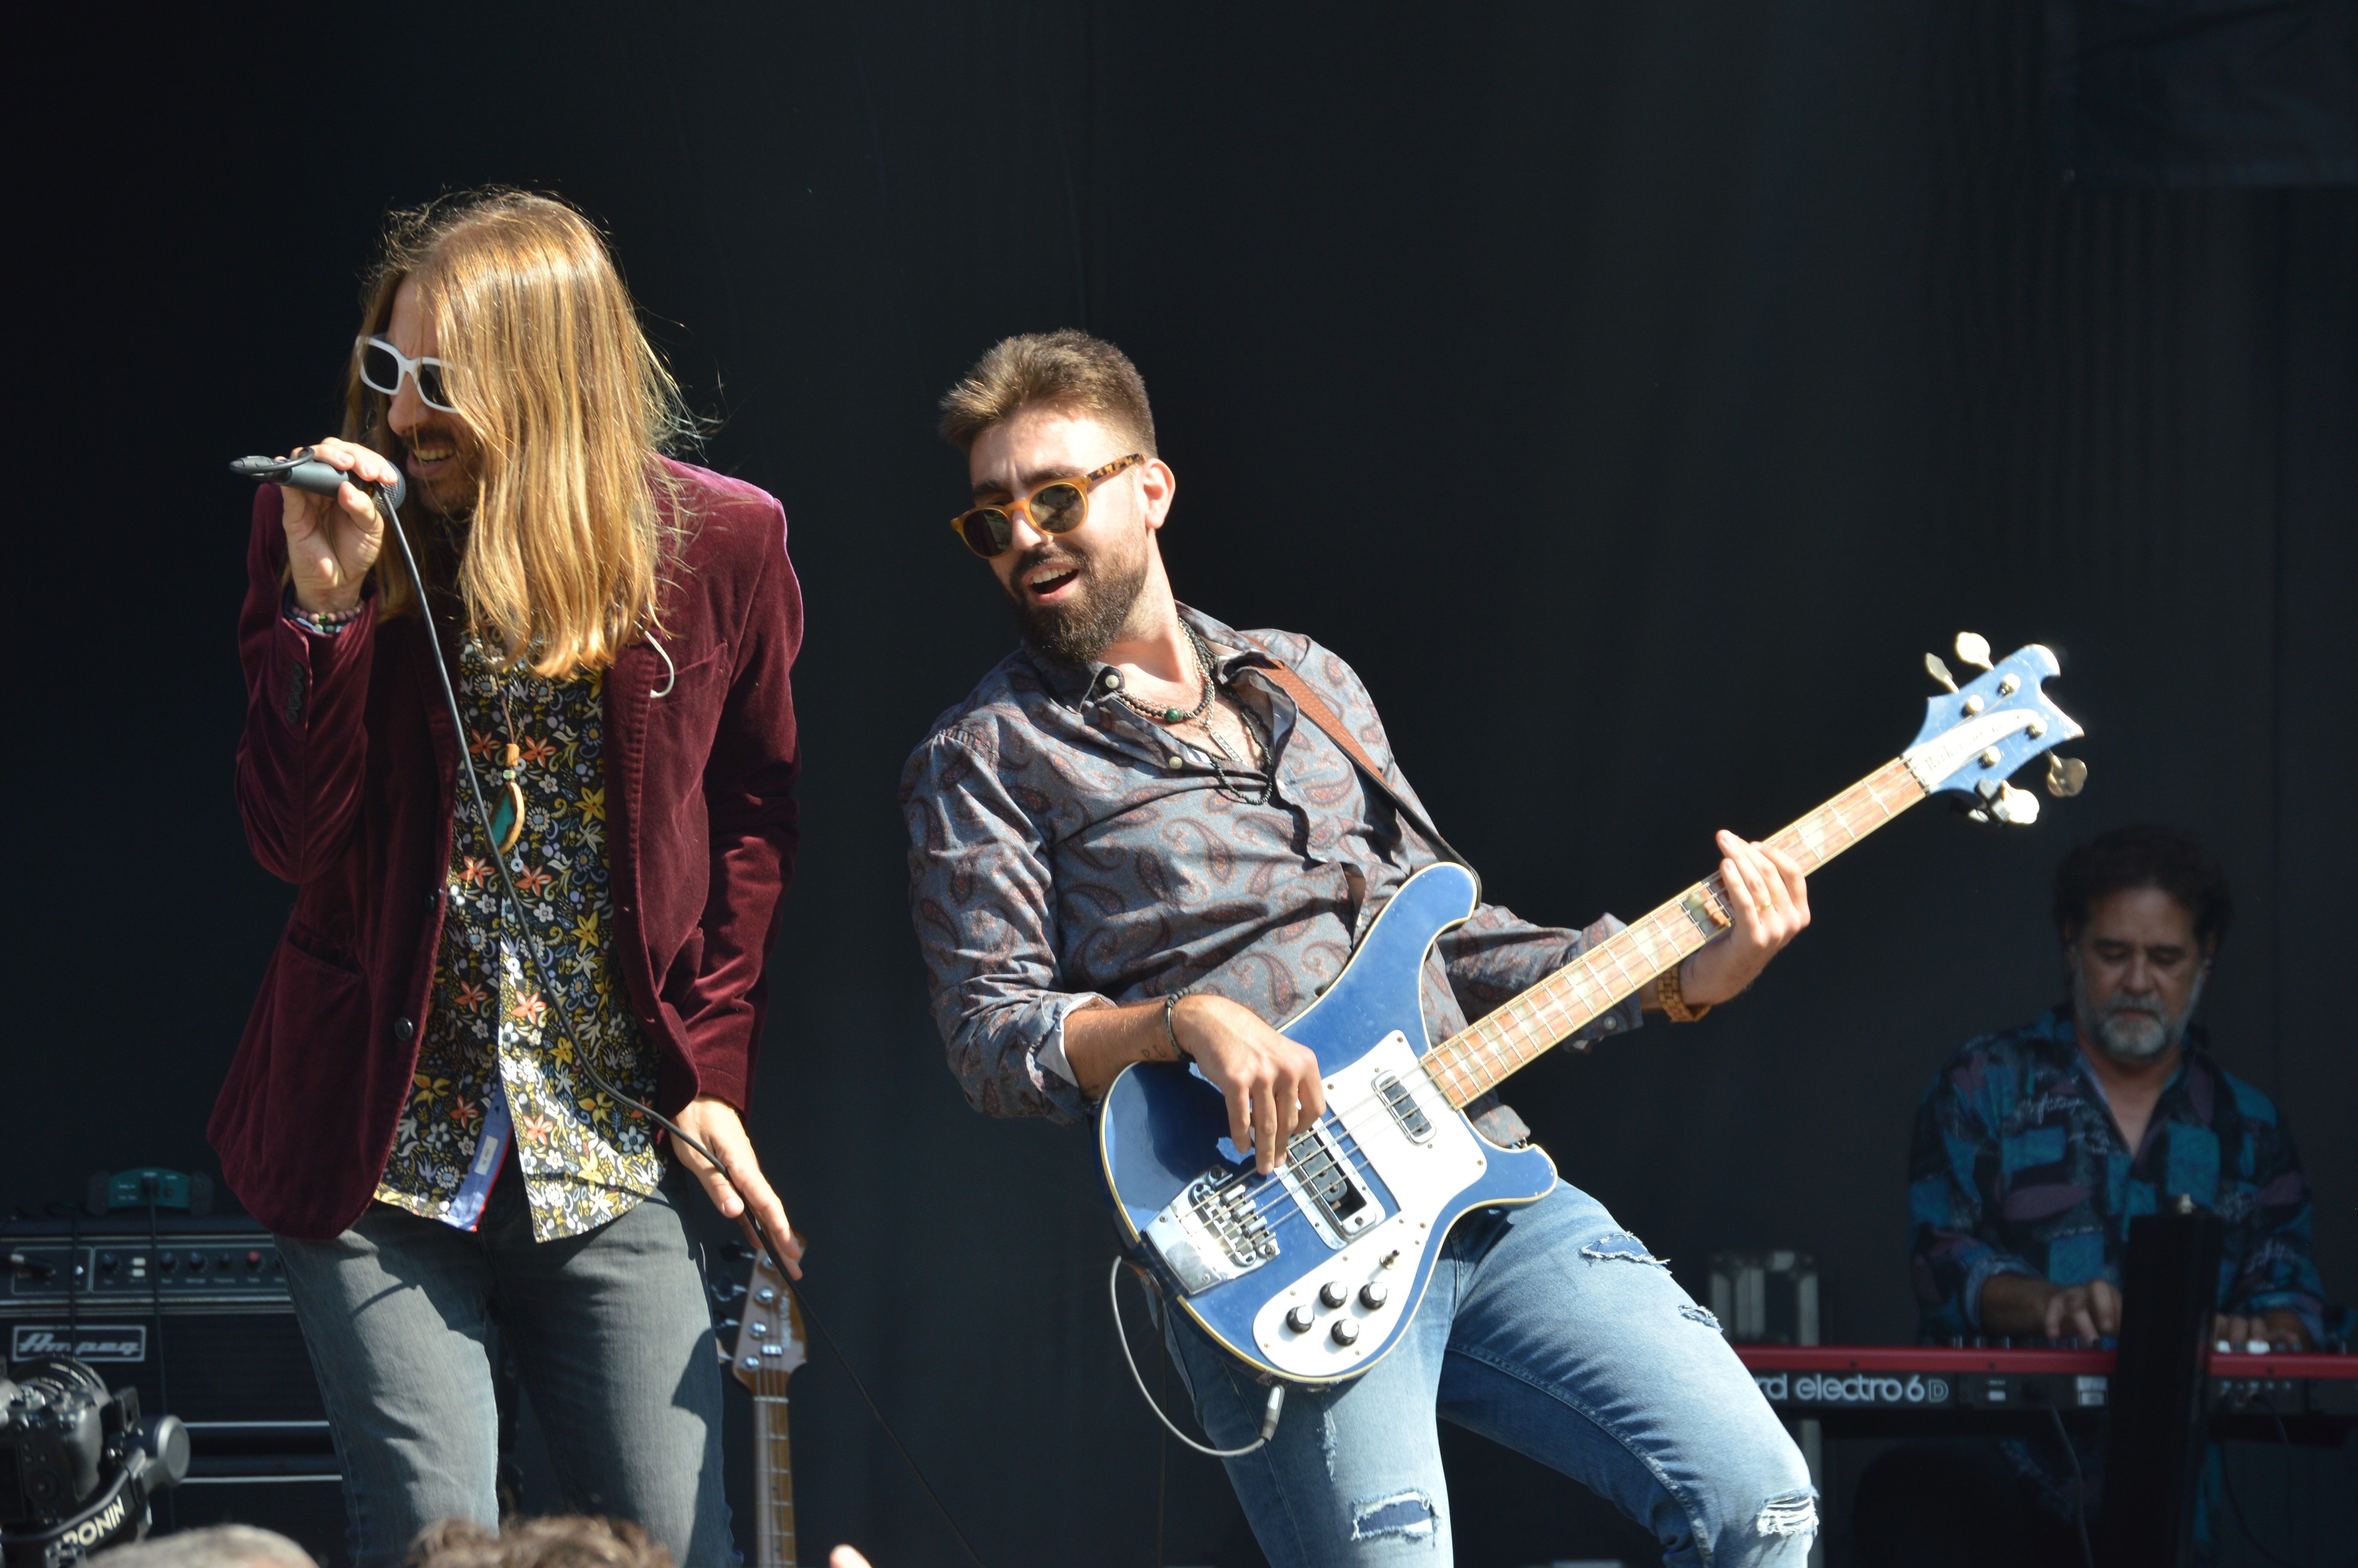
(436, 1104)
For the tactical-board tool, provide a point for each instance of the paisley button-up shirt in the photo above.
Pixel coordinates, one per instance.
(494, 1066)
(1065, 852)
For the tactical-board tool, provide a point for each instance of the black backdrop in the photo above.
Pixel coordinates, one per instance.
(1633, 393)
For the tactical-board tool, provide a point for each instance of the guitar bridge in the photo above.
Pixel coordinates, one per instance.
(1212, 1232)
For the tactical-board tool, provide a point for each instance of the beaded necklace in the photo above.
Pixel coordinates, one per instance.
(1178, 715)
(1266, 784)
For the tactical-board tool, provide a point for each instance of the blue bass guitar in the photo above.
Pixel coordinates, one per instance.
(1314, 1271)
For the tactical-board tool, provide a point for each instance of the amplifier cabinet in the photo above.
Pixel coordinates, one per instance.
(198, 1319)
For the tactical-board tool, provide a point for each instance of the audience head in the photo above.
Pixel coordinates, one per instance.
(573, 1541)
(215, 1546)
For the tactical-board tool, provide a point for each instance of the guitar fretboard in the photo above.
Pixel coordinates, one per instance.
(775, 1477)
(1477, 1059)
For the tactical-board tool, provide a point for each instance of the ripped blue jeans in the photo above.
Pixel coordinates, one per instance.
(1552, 1330)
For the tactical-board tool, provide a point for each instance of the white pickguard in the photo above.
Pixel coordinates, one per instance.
(1423, 1177)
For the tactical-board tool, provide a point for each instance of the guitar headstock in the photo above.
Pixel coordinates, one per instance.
(769, 1343)
(1977, 735)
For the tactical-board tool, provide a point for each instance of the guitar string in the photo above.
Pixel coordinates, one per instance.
(1495, 1029)
(1525, 1015)
(1275, 1191)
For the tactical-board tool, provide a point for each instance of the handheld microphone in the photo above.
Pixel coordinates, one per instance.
(305, 472)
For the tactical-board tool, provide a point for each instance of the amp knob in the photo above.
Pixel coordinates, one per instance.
(1344, 1332)
(1334, 1293)
(1372, 1295)
(1300, 1320)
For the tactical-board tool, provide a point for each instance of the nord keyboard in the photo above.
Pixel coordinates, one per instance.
(1861, 1391)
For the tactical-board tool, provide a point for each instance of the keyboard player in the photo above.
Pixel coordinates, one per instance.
(2032, 1151)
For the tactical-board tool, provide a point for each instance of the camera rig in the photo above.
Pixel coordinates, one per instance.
(77, 1464)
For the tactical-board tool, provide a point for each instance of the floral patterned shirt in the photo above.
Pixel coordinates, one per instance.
(494, 1066)
(1064, 852)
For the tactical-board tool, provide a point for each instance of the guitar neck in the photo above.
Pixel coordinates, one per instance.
(773, 1478)
(1477, 1059)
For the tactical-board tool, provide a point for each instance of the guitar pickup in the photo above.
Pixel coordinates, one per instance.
(1212, 1232)
(1335, 1197)
(1401, 1102)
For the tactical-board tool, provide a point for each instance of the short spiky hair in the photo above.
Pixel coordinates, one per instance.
(1067, 370)
(2148, 855)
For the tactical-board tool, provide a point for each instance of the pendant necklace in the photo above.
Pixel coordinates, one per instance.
(1267, 785)
(1179, 714)
(507, 817)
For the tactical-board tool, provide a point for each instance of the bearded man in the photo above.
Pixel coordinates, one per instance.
(1133, 843)
(2032, 1151)
(2034, 1146)
(419, 1106)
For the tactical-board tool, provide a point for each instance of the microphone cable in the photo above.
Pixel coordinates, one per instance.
(531, 946)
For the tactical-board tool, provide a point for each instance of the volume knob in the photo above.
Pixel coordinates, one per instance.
(1345, 1333)
(1300, 1320)
(1372, 1295)
(1334, 1293)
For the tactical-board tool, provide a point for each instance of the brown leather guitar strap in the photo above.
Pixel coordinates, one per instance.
(1313, 708)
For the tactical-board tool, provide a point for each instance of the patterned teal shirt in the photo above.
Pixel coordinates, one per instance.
(2017, 1168)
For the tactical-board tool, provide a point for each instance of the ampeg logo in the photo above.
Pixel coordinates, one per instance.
(1814, 1389)
(91, 1342)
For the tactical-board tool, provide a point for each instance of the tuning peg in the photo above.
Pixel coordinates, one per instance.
(2066, 776)
(2018, 807)
(1973, 648)
(1938, 671)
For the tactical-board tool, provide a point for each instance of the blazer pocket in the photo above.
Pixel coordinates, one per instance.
(320, 1028)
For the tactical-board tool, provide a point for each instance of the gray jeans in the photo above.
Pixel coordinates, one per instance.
(609, 1331)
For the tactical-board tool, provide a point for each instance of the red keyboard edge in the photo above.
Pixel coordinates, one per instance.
(1885, 1359)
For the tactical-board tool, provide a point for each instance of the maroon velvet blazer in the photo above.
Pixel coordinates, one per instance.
(346, 777)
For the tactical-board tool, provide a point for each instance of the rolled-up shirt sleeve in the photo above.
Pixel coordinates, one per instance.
(982, 896)
(1953, 1249)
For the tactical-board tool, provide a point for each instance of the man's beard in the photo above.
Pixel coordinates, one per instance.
(2136, 1041)
(465, 486)
(1076, 633)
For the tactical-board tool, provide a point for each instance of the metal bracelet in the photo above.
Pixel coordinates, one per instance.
(1171, 1005)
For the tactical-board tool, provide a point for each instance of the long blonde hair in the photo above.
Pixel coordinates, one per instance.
(569, 406)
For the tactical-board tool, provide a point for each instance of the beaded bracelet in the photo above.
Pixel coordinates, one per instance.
(1674, 997)
(324, 625)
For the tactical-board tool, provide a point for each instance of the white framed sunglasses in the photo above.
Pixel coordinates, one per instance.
(383, 366)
